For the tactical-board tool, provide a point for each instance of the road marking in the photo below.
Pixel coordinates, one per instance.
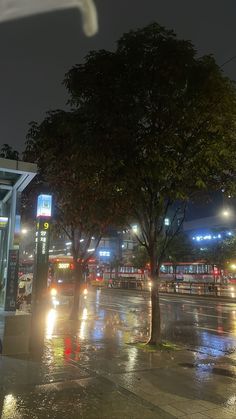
(186, 302)
(206, 315)
(215, 330)
(206, 307)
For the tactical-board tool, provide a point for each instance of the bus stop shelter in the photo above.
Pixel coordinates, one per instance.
(14, 177)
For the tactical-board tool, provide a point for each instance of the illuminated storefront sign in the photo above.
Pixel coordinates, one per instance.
(44, 206)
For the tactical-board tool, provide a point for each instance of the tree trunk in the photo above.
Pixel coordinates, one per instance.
(155, 334)
(116, 271)
(77, 289)
(175, 269)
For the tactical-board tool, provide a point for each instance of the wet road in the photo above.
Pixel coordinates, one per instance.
(124, 316)
(87, 369)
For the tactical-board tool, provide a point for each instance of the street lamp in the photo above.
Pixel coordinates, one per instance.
(24, 231)
(226, 213)
(135, 229)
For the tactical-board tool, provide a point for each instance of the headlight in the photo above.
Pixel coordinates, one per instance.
(85, 291)
(53, 292)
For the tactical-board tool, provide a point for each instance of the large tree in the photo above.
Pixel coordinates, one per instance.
(61, 149)
(166, 119)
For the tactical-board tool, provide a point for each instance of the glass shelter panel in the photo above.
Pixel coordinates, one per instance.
(4, 230)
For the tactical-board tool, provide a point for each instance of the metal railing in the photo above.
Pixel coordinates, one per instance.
(188, 288)
(193, 288)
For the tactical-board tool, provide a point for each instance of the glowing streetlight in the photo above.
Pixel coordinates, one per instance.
(24, 231)
(226, 213)
(135, 229)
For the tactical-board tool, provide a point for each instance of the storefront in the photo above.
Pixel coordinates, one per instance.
(14, 177)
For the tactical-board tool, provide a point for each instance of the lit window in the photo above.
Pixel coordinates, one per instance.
(167, 221)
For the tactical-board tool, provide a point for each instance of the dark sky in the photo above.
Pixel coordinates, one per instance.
(36, 52)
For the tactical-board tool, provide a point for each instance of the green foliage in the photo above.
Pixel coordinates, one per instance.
(162, 346)
(180, 249)
(219, 253)
(7, 152)
(60, 148)
(152, 125)
(140, 257)
(162, 122)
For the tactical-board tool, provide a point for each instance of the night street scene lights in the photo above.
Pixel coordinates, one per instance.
(135, 229)
(226, 213)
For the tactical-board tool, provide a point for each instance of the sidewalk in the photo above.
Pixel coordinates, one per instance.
(102, 384)
(104, 378)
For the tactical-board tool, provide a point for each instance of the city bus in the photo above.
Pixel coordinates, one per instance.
(62, 274)
(198, 271)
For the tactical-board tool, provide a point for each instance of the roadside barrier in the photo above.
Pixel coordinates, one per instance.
(189, 288)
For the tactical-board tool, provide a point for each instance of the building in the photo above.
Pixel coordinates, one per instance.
(206, 231)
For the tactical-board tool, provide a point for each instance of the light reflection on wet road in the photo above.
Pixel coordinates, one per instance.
(124, 316)
(85, 367)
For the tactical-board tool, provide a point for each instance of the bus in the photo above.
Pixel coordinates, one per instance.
(198, 271)
(62, 274)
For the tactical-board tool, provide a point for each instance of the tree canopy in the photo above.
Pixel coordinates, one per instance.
(163, 116)
(8, 152)
(159, 124)
(164, 119)
(59, 146)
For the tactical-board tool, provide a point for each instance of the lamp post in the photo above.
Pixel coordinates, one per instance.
(226, 213)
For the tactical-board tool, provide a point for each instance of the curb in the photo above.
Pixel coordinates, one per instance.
(178, 295)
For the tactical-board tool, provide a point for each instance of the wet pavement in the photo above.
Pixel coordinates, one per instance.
(93, 369)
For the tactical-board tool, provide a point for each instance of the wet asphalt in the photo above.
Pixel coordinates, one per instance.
(94, 369)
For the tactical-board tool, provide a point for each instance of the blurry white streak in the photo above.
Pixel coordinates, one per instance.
(15, 9)
(50, 323)
(85, 314)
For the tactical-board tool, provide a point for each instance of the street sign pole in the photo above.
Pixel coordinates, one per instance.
(40, 278)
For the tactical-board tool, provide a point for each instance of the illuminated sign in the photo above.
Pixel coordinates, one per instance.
(209, 237)
(3, 222)
(17, 230)
(63, 265)
(44, 206)
(104, 253)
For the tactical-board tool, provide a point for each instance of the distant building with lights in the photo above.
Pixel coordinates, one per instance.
(209, 229)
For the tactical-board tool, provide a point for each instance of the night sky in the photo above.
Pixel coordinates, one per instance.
(36, 52)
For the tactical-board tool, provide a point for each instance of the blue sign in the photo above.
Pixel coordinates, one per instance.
(44, 206)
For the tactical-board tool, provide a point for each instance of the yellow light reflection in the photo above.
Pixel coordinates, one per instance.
(82, 330)
(85, 314)
(50, 323)
(9, 407)
(83, 323)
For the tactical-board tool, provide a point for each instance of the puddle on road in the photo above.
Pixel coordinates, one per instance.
(209, 368)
